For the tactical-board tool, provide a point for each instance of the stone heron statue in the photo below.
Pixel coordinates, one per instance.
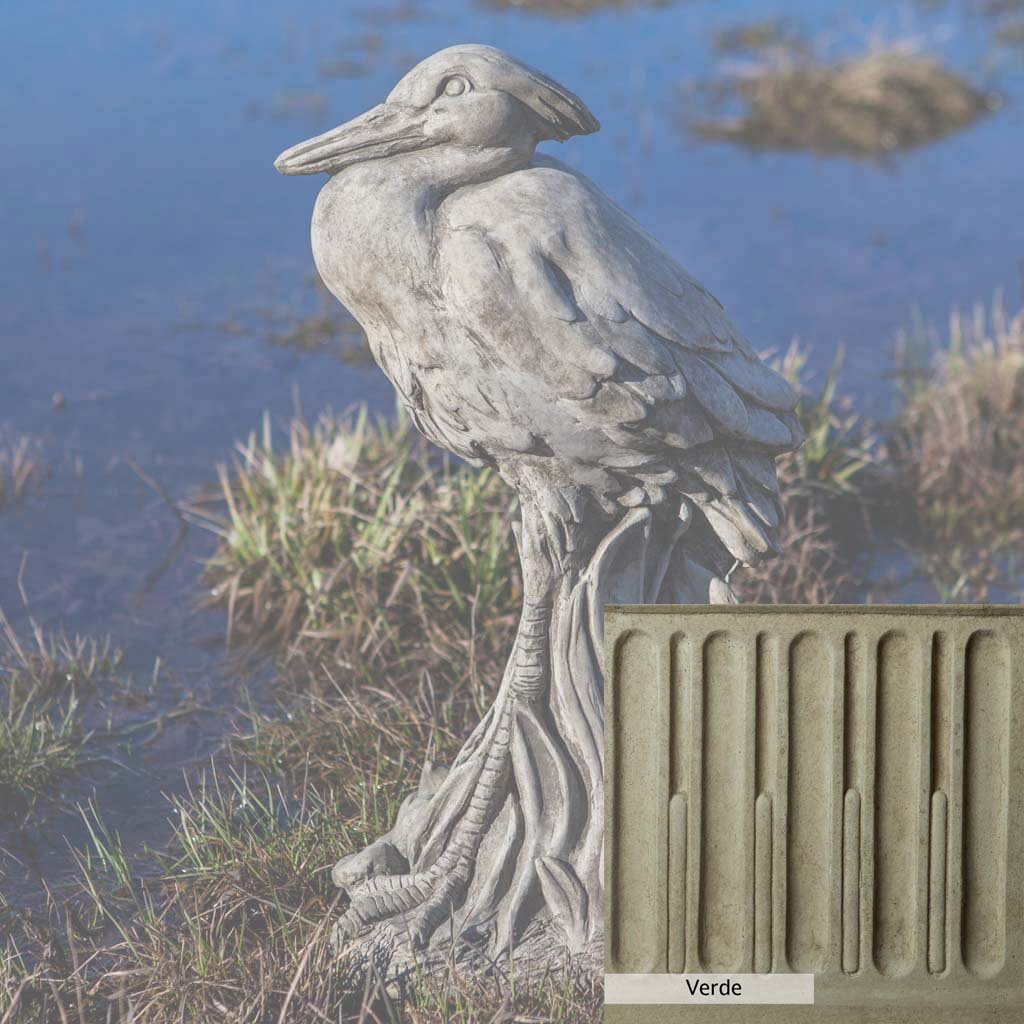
(531, 325)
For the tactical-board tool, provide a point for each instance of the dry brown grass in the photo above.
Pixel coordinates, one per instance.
(959, 449)
(1011, 34)
(388, 579)
(811, 570)
(766, 36)
(883, 101)
(570, 8)
(825, 488)
(310, 105)
(21, 467)
(232, 922)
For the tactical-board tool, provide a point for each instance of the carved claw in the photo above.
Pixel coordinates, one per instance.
(387, 855)
(392, 900)
(412, 905)
(379, 858)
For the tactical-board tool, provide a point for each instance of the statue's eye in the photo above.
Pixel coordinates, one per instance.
(456, 86)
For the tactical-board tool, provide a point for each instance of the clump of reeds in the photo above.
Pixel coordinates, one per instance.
(767, 35)
(326, 330)
(41, 733)
(358, 540)
(959, 449)
(322, 326)
(308, 105)
(48, 663)
(37, 746)
(879, 102)
(1011, 34)
(825, 488)
(21, 467)
(570, 8)
(812, 568)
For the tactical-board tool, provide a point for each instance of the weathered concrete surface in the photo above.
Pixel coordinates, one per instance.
(837, 791)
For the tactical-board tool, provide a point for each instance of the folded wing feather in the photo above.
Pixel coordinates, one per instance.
(680, 395)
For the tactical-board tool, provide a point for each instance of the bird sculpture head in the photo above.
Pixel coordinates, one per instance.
(466, 98)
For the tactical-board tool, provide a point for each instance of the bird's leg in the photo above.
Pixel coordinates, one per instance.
(417, 903)
(513, 835)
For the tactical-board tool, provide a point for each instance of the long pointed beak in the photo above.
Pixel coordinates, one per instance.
(383, 131)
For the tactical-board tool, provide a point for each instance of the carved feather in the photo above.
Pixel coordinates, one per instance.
(566, 898)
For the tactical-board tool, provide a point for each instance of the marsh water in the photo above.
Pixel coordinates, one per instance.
(149, 242)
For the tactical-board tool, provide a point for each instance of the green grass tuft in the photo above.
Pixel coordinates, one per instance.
(41, 734)
(356, 541)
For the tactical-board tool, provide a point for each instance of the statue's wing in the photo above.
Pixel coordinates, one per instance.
(547, 271)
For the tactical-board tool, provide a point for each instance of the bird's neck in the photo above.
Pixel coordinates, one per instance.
(374, 244)
(373, 227)
(439, 170)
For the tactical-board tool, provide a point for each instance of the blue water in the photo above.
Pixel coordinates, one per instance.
(141, 211)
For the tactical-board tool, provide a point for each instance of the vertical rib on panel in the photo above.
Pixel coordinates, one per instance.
(937, 886)
(851, 882)
(724, 932)
(897, 804)
(920, 685)
(763, 884)
(676, 956)
(811, 752)
(637, 872)
(986, 799)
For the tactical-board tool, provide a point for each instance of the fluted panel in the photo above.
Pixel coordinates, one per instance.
(839, 792)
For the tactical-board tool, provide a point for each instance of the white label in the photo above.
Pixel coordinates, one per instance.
(670, 989)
